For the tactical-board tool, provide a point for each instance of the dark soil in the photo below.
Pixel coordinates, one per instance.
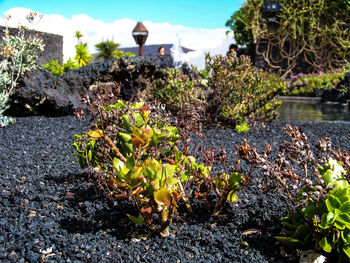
(50, 211)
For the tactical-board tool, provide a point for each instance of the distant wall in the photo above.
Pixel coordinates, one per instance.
(53, 49)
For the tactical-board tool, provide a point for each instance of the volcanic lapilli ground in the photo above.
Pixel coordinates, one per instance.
(50, 211)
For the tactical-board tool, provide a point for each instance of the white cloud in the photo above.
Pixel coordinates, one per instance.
(94, 31)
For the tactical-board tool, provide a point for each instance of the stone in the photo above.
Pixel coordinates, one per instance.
(40, 93)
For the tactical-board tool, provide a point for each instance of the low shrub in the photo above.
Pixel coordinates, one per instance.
(228, 90)
(18, 55)
(309, 84)
(318, 199)
(181, 91)
(241, 94)
(135, 156)
(57, 70)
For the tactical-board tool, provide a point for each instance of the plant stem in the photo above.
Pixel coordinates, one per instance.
(220, 203)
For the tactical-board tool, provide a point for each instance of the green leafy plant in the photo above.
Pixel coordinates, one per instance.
(324, 221)
(131, 153)
(107, 49)
(18, 55)
(229, 89)
(244, 127)
(318, 200)
(240, 92)
(135, 156)
(308, 84)
(180, 91)
(311, 34)
(57, 70)
(82, 56)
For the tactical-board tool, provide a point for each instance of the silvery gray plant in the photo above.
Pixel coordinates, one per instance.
(18, 55)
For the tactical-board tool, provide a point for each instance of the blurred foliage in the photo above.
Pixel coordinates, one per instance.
(82, 56)
(315, 31)
(107, 49)
(308, 84)
(57, 70)
(229, 89)
(241, 94)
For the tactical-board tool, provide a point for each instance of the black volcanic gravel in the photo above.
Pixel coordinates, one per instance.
(49, 210)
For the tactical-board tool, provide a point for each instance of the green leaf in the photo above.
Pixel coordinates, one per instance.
(130, 163)
(185, 176)
(125, 137)
(345, 207)
(235, 179)
(232, 196)
(290, 242)
(344, 218)
(325, 245)
(170, 170)
(332, 203)
(343, 194)
(163, 197)
(327, 220)
(137, 105)
(127, 147)
(302, 232)
(149, 173)
(137, 220)
(346, 249)
(118, 164)
(126, 120)
(339, 225)
(309, 210)
(330, 176)
(345, 235)
(138, 119)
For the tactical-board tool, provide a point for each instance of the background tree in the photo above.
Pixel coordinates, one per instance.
(78, 35)
(82, 56)
(242, 34)
(316, 32)
(107, 49)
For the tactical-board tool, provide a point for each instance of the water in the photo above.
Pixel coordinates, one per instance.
(302, 111)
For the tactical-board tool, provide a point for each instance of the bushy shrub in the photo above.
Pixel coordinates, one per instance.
(181, 91)
(57, 70)
(323, 222)
(316, 189)
(229, 89)
(308, 84)
(18, 55)
(240, 92)
(135, 156)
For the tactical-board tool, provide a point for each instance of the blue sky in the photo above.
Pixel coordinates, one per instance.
(207, 14)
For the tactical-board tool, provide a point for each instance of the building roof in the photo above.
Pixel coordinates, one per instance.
(152, 49)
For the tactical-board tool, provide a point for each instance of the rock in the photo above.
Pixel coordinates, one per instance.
(310, 256)
(40, 93)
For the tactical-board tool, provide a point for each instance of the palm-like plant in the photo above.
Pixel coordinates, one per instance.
(82, 57)
(78, 35)
(107, 49)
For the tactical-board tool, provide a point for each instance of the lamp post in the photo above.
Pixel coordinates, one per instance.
(140, 34)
